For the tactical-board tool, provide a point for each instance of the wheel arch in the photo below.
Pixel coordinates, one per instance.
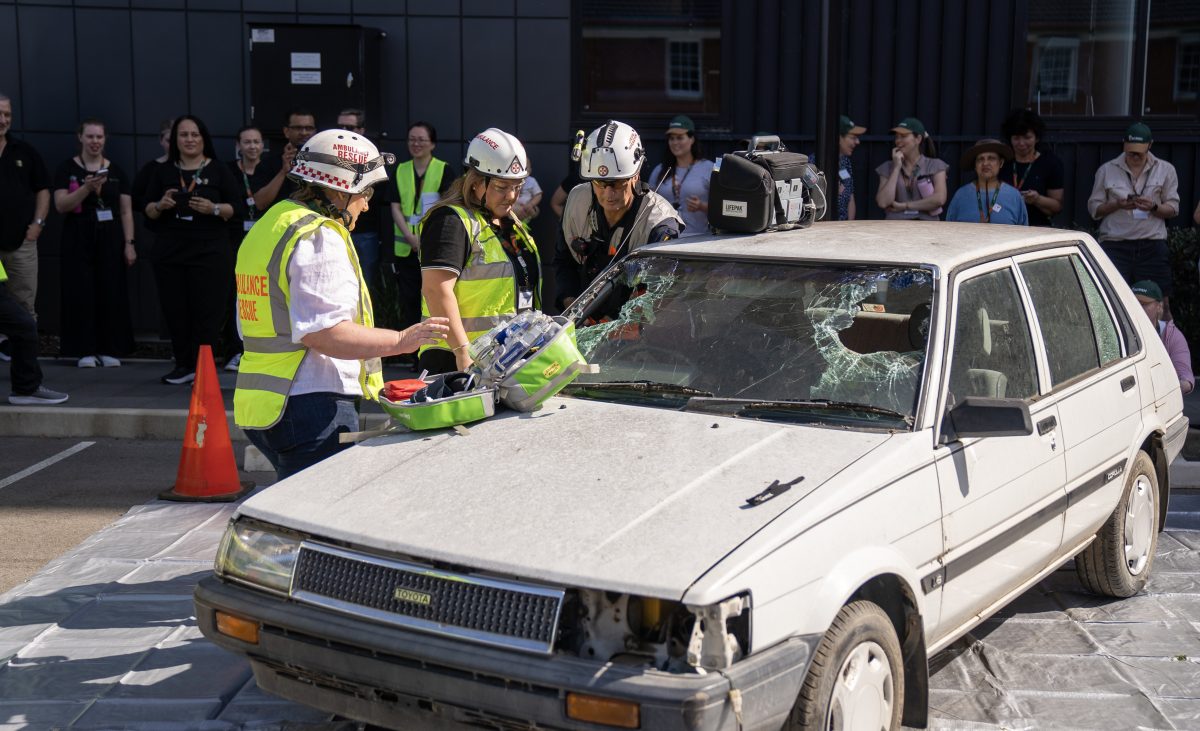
(1153, 446)
(897, 599)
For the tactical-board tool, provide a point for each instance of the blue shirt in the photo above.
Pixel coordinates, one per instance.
(967, 203)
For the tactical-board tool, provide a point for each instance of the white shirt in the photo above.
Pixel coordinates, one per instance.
(324, 292)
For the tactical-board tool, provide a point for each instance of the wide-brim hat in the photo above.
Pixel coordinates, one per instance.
(987, 145)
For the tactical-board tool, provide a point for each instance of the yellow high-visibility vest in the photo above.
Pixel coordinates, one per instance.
(487, 288)
(412, 206)
(271, 360)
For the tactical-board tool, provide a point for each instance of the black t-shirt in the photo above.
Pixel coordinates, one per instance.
(1043, 174)
(247, 184)
(212, 181)
(444, 245)
(22, 176)
(270, 167)
(70, 176)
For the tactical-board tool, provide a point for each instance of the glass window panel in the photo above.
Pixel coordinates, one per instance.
(993, 350)
(1102, 321)
(1064, 317)
(1173, 57)
(1079, 56)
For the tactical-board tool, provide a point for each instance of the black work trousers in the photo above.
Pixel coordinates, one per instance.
(195, 294)
(407, 273)
(21, 329)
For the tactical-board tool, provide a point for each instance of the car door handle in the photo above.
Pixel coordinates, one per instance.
(1047, 425)
(1127, 383)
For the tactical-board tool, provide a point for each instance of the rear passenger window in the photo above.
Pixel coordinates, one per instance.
(1102, 321)
(993, 349)
(1070, 331)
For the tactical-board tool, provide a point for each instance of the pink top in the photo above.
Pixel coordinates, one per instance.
(1177, 348)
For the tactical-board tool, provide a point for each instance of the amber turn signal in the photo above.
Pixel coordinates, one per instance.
(608, 711)
(237, 628)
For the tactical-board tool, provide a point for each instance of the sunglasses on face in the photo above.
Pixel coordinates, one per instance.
(613, 184)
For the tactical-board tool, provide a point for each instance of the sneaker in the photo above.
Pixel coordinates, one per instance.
(179, 376)
(5, 354)
(109, 362)
(234, 363)
(88, 361)
(41, 397)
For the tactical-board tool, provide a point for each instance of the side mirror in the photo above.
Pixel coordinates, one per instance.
(976, 416)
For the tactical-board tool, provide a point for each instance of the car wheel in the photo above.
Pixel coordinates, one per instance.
(856, 679)
(1118, 562)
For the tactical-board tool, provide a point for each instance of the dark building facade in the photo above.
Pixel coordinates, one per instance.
(544, 68)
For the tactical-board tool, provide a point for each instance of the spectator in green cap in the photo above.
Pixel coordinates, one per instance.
(912, 185)
(848, 133)
(1150, 296)
(682, 178)
(1133, 196)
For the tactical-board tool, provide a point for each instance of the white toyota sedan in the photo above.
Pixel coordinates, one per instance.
(809, 460)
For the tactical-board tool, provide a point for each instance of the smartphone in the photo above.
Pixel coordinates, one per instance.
(182, 198)
(101, 171)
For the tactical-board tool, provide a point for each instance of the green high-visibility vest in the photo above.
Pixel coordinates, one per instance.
(411, 206)
(3, 274)
(487, 288)
(271, 360)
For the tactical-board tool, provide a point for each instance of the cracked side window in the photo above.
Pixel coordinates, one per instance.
(761, 330)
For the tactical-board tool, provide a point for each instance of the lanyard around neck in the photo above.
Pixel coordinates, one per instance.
(985, 212)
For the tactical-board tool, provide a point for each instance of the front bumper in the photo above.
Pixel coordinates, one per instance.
(394, 677)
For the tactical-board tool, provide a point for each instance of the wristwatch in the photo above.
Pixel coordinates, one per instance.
(1154, 209)
(216, 211)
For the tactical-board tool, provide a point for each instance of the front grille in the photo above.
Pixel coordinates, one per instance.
(489, 611)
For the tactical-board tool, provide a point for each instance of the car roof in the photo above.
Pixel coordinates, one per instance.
(945, 245)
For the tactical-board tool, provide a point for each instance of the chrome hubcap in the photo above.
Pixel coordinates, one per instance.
(862, 692)
(1139, 525)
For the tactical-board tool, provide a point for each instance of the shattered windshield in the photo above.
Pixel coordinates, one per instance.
(812, 342)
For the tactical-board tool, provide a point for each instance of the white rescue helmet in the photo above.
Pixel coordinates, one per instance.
(497, 154)
(341, 160)
(613, 151)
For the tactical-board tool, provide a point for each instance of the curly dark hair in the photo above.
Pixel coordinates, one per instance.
(1022, 121)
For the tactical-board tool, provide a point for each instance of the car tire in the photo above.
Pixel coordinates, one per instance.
(856, 671)
(1118, 562)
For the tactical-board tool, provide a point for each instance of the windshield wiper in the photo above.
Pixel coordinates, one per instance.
(740, 406)
(635, 389)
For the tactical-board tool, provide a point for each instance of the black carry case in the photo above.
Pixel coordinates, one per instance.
(757, 190)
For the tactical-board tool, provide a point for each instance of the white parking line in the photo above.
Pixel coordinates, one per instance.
(44, 464)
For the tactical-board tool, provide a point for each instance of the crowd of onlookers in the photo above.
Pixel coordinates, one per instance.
(198, 208)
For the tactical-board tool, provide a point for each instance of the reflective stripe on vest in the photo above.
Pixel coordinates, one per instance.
(405, 177)
(271, 360)
(486, 289)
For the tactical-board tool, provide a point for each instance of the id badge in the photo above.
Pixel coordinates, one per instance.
(1140, 214)
(524, 299)
(910, 213)
(247, 225)
(185, 218)
(104, 214)
(250, 201)
(996, 208)
(844, 174)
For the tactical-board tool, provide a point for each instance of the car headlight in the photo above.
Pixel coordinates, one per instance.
(252, 553)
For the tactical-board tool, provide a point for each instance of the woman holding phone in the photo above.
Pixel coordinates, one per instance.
(193, 197)
(93, 196)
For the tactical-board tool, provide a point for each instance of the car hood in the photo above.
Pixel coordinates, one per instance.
(581, 493)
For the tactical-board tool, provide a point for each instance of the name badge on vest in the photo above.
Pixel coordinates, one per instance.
(524, 299)
(104, 214)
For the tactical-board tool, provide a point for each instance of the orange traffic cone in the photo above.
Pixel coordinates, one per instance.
(207, 471)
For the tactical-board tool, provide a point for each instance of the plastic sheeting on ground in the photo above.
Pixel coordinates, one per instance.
(104, 637)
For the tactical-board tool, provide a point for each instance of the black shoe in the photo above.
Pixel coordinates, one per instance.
(179, 376)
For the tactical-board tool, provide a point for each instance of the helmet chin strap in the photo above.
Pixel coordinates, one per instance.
(333, 210)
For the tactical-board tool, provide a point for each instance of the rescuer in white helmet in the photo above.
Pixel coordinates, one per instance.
(611, 213)
(479, 263)
(311, 348)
